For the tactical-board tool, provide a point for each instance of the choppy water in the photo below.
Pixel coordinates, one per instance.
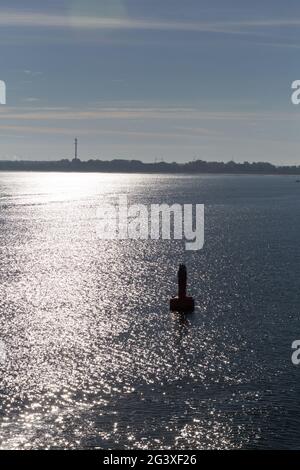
(95, 358)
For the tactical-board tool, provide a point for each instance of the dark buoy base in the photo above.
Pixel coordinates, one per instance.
(184, 304)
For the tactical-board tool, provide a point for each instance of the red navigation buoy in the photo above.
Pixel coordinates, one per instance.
(182, 303)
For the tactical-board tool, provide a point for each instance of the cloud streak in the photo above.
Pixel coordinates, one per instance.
(16, 18)
(178, 134)
(135, 113)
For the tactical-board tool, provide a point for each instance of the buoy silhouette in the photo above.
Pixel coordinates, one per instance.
(182, 303)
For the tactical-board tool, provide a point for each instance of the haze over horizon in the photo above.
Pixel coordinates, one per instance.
(150, 80)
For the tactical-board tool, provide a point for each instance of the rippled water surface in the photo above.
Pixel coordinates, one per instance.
(94, 358)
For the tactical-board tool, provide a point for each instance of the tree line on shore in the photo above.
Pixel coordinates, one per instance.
(136, 166)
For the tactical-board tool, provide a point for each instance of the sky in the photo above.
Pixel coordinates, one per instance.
(150, 79)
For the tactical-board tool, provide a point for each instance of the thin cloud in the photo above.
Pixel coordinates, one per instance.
(156, 113)
(15, 18)
(33, 73)
(31, 99)
(279, 45)
(128, 133)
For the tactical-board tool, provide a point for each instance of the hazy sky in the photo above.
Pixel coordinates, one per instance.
(146, 79)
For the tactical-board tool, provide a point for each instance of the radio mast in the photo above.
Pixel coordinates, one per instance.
(76, 147)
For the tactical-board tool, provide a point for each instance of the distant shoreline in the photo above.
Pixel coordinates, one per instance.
(136, 166)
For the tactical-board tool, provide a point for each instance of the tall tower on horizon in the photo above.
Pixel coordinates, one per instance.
(76, 149)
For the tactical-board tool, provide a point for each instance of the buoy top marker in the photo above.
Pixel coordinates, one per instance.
(182, 303)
